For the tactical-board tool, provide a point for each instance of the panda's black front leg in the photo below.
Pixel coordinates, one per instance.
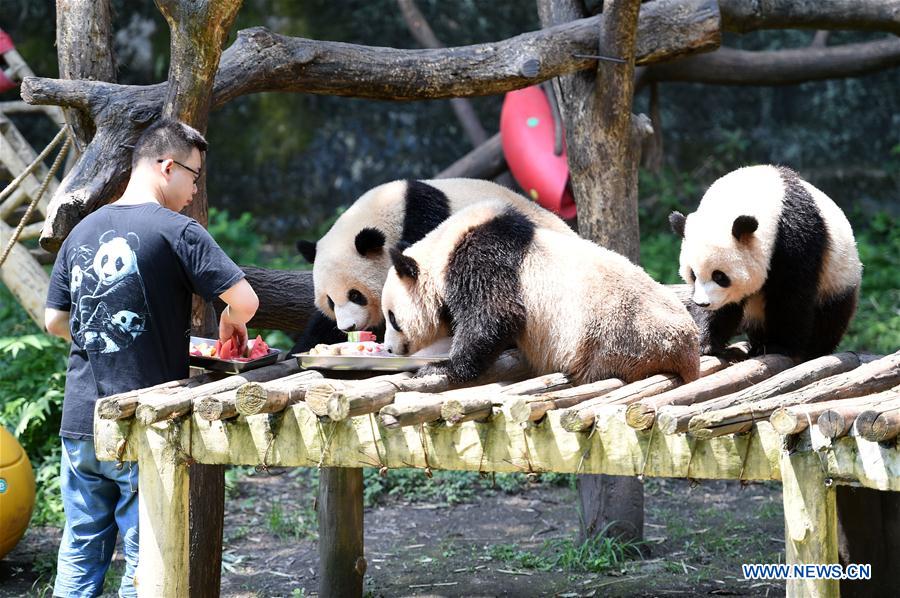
(475, 348)
(789, 321)
(717, 327)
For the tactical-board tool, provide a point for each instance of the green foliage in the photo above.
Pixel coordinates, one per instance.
(451, 487)
(294, 524)
(236, 236)
(876, 326)
(595, 555)
(31, 392)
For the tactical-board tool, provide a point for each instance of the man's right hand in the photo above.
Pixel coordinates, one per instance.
(236, 330)
(242, 304)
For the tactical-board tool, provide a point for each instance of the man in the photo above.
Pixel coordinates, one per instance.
(121, 292)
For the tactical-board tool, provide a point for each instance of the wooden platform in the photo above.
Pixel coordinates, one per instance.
(170, 432)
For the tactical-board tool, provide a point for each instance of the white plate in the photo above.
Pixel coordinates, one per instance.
(366, 362)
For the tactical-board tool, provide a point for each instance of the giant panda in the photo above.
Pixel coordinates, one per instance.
(493, 278)
(769, 254)
(351, 261)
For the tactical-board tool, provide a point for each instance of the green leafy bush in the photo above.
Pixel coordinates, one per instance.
(31, 392)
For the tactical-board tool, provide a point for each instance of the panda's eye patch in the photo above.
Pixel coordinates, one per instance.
(393, 321)
(330, 302)
(720, 278)
(357, 297)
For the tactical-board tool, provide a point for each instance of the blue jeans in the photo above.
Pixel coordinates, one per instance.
(99, 501)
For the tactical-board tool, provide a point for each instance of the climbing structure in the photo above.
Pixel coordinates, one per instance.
(21, 271)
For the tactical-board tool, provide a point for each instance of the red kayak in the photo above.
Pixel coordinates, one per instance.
(528, 134)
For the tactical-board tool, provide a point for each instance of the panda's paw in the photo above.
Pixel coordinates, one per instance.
(435, 369)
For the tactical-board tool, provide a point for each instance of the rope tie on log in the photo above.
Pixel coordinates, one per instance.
(744, 459)
(326, 441)
(587, 450)
(821, 457)
(692, 444)
(428, 473)
(532, 474)
(382, 467)
(272, 419)
(640, 476)
(37, 196)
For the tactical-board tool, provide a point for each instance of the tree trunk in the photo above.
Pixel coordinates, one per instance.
(342, 565)
(84, 50)
(603, 140)
(198, 31)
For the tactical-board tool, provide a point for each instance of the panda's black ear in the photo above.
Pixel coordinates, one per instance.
(307, 249)
(369, 240)
(743, 227)
(676, 221)
(406, 266)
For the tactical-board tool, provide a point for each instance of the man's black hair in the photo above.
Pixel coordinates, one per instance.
(166, 138)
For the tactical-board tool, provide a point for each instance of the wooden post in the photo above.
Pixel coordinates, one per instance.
(810, 521)
(163, 478)
(340, 509)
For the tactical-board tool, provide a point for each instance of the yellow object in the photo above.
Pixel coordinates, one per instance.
(16, 491)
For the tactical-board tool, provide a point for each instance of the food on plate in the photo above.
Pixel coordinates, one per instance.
(202, 350)
(228, 350)
(358, 336)
(364, 348)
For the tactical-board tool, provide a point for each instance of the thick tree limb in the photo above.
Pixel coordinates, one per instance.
(728, 66)
(285, 298)
(260, 60)
(866, 15)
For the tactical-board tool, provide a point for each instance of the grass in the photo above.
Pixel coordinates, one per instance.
(595, 555)
(294, 524)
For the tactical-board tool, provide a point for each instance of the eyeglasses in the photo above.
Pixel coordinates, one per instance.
(196, 172)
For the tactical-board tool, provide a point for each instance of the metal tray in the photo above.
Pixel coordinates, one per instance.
(229, 366)
(365, 362)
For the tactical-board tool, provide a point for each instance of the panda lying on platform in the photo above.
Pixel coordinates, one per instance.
(351, 261)
(769, 254)
(494, 278)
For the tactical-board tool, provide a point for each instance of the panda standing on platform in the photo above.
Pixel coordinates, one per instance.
(351, 261)
(494, 279)
(769, 254)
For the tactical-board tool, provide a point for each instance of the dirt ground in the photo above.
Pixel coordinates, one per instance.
(496, 544)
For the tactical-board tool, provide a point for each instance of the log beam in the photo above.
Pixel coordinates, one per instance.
(674, 419)
(876, 376)
(642, 414)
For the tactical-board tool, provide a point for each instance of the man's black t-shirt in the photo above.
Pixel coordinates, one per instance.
(126, 274)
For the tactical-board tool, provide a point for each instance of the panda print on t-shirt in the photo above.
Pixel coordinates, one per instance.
(107, 287)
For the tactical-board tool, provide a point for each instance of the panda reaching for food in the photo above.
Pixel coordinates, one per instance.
(494, 278)
(769, 254)
(351, 261)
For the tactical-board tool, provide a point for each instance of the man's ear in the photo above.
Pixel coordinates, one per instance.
(307, 249)
(743, 227)
(369, 241)
(406, 266)
(677, 221)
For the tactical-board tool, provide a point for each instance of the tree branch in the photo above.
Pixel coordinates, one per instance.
(728, 66)
(742, 16)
